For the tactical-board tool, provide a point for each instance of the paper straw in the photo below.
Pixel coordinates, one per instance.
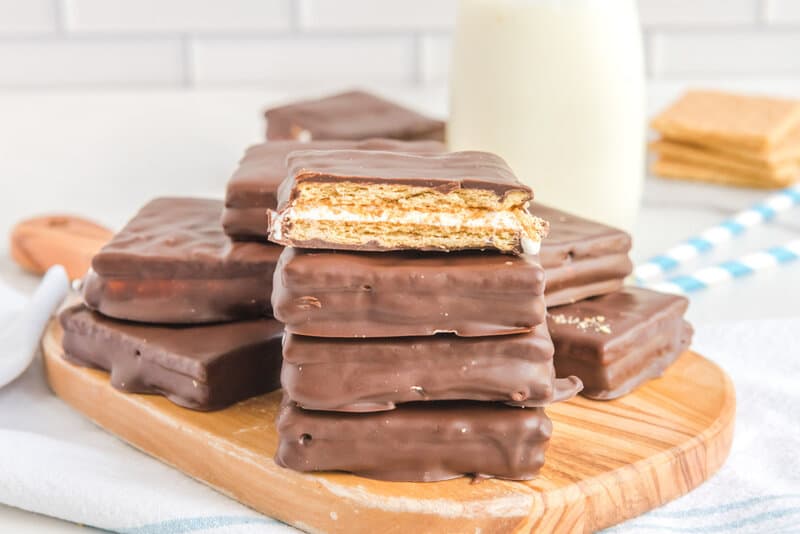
(730, 270)
(678, 255)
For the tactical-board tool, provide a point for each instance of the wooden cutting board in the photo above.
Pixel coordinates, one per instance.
(607, 461)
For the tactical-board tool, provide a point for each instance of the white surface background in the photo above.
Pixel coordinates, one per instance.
(238, 43)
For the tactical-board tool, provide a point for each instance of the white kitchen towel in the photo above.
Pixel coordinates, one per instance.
(55, 462)
(758, 488)
(20, 334)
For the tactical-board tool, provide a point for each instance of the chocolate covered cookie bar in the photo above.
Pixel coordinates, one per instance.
(379, 373)
(253, 188)
(417, 442)
(616, 342)
(379, 201)
(173, 264)
(203, 367)
(365, 295)
(351, 115)
(581, 258)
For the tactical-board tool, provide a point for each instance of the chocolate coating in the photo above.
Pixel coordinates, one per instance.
(351, 115)
(253, 188)
(417, 442)
(173, 264)
(376, 374)
(200, 367)
(391, 294)
(616, 342)
(581, 258)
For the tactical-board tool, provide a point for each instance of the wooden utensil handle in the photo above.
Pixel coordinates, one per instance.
(41, 242)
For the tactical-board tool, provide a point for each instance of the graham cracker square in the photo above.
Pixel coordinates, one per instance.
(756, 123)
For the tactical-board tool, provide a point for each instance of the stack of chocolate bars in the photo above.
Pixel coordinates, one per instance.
(611, 337)
(416, 345)
(173, 306)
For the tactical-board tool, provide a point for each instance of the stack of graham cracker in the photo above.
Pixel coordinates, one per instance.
(748, 141)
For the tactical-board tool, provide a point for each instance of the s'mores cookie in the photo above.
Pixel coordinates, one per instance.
(253, 188)
(417, 442)
(353, 115)
(379, 201)
(616, 342)
(376, 374)
(173, 264)
(328, 293)
(202, 367)
(581, 258)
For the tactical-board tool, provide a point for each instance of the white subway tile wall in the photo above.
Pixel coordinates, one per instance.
(102, 62)
(377, 15)
(231, 43)
(19, 17)
(783, 11)
(175, 16)
(302, 60)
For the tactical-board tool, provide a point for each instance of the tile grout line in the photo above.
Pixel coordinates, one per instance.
(418, 49)
(297, 15)
(59, 15)
(762, 13)
(187, 62)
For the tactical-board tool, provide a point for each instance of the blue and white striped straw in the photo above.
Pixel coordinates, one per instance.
(730, 270)
(678, 255)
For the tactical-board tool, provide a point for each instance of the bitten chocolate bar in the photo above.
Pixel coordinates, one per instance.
(378, 201)
(173, 264)
(376, 374)
(365, 295)
(253, 188)
(200, 367)
(581, 258)
(417, 442)
(616, 342)
(352, 115)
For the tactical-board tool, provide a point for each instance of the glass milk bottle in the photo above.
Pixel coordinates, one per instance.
(556, 87)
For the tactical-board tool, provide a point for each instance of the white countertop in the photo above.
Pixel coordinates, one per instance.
(102, 155)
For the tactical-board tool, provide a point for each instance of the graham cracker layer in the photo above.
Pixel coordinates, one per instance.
(669, 168)
(786, 150)
(394, 237)
(754, 123)
(695, 155)
(363, 196)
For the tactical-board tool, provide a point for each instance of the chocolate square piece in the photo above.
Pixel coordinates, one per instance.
(173, 264)
(375, 374)
(616, 342)
(378, 201)
(352, 115)
(253, 188)
(581, 258)
(364, 295)
(200, 367)
(417, 442)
